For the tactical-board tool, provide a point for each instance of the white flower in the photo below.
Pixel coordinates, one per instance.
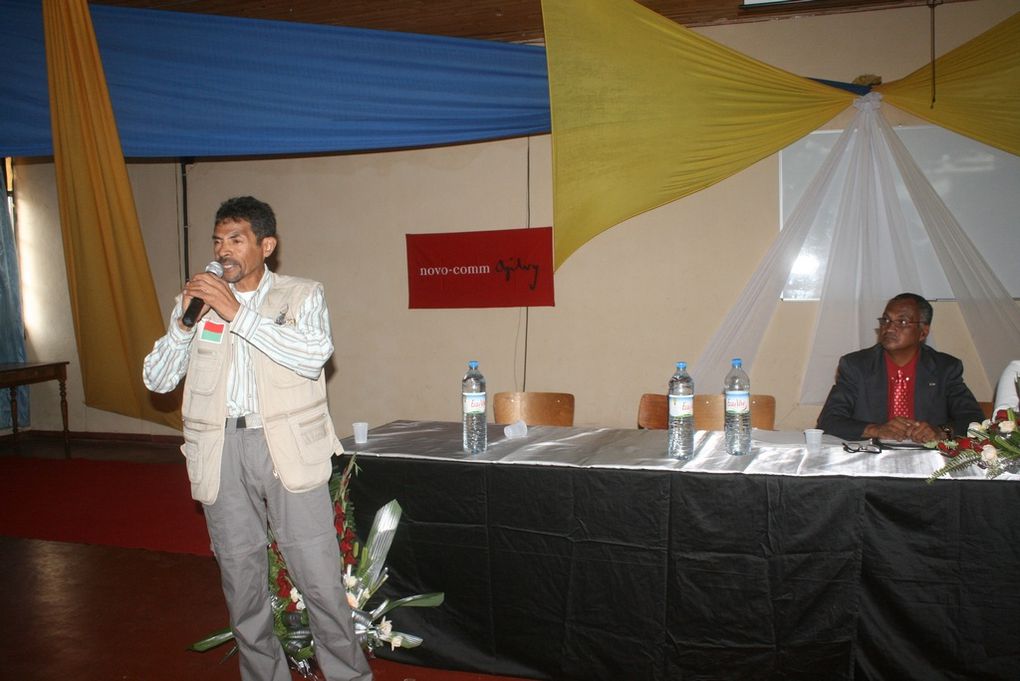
(396, 642)
(974, 425)
(296, 597)
(1007, 426)
(350, 581)
(989, 454)
(385, 627)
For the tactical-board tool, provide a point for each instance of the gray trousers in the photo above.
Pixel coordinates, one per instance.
(250, 495)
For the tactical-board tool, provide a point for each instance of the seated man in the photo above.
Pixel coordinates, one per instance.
(900, 389)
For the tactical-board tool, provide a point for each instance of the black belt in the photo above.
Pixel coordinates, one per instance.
(242, 422)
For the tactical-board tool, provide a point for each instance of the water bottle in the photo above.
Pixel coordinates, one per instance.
(681, 413)
(737, 388)
(472, 390)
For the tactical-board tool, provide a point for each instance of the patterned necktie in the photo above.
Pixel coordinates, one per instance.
(899, 395)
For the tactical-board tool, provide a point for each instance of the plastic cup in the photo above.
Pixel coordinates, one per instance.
(813, 438)
(360, 432)
(516, 429)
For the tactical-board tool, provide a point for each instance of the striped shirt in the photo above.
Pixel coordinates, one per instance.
(302, 346)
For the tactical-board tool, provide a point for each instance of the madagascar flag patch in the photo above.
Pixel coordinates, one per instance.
(212, 332)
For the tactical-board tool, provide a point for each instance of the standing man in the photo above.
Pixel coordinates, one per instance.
(900, 389)
(258, 439)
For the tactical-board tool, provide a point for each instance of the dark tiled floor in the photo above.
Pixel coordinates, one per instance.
(94, 612)
(97, 613)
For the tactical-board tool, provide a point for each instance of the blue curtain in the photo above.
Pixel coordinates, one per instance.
(12, 330)
(200, 85)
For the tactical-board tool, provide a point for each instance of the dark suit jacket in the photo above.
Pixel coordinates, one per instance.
(861, 393)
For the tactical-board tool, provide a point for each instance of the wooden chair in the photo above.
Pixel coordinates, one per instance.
(653, 411)
(534, 408)
(708, 411)
(987, 408)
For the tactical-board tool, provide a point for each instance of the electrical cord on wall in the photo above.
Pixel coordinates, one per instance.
(527, 310)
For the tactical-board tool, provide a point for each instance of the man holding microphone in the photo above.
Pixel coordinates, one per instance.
(258, 438)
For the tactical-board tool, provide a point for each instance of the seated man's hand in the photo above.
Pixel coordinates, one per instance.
(901, 428)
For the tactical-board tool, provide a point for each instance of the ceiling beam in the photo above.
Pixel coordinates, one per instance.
(503, 20)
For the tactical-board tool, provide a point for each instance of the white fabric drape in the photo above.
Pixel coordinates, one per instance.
(854, 201)
(990, 312)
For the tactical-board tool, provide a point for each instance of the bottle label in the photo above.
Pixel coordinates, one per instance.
(474, 403)
(681, 405)
(738, 402)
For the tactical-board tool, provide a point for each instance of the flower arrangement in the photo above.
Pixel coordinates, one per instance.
(364, 572)
(993, 444)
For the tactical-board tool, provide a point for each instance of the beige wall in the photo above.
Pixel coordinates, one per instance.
(628, 304)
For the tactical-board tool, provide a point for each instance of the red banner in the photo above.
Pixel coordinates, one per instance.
(499, 268)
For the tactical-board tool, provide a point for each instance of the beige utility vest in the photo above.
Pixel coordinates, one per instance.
(298, 428)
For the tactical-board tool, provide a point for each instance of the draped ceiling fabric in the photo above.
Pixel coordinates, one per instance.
(197, 85)
(985, 303)
(853, 198)
(194, 85)
(645, 111)
(871, 224)
(113, 300)
(869, 228)
(977, 88)
(642, 110)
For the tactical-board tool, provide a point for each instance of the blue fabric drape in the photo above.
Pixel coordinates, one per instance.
(12, 331)
(200, 85)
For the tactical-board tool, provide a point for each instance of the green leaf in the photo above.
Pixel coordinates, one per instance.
(212, 640)
(1007, 444)
(429, 600)
(958, 462)
(380, 609)
(380, 538)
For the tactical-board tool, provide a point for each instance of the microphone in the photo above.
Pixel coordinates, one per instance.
(195, 308)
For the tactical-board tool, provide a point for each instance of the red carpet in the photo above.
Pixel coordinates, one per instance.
(111, 503)
(128, 505)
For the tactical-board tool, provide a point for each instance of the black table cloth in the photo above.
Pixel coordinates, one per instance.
(618, 573)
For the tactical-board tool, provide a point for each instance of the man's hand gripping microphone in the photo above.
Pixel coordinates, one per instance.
(195, 308)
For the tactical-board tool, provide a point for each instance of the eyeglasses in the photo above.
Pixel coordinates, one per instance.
(872, 446)
(902, 323)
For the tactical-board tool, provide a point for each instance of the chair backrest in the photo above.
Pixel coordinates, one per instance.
(709, 408)
(653, 411)
(534, 408)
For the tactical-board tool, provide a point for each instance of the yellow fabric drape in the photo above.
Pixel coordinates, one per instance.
(977, 88)
(113, 299)
(645, 111)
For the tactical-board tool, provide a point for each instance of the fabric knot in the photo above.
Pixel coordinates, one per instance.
(869, 102)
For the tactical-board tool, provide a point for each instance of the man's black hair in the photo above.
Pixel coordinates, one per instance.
(259, 214)
(923, 306)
